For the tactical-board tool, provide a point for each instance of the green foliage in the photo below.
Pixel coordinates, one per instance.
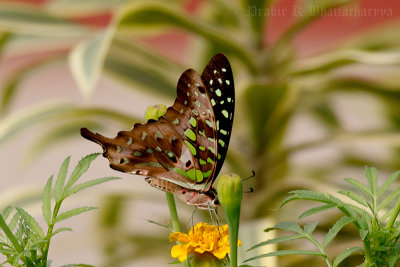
(22, 239)
(379, 228)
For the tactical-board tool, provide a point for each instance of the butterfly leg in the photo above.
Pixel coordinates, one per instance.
(191, 216)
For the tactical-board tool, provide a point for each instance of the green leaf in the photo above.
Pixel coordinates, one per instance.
(31, 222)
(335, 229)
(388, 183)
(310, 227)
(389, 198)
(63, 229)
(277, 240)
(81, 168)
(344, 254)
(142, 16)
(68, 214)
(46, 208)
(88, 184)
(316, 210)
(5, 37)
(32, 20)
(86, 60)
(354, 196)
(287, 226)
(6, 212)
(358, 185)
(286, 252)
(62, 174)
(372, 177)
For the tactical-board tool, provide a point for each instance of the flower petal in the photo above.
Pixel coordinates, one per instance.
(180, 252)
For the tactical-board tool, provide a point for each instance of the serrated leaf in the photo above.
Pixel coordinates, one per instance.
(87, 59)
(46, 208)
(354, 196)
(88, 184)
(372, 177)
(310, 227)
(31, 222)
(62, 174)
(316, 210)
(335, 229)
(14, 221)
(277, 240)
(387, 183)
(287, 226)
(63, 229)
(80, 168)
(344, 254)
(286, 252)
(68, 214)
(358, 185)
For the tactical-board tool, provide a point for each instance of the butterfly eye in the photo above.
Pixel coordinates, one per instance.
(188, 163)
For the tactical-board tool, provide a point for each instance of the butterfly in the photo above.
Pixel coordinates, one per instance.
(183, 151)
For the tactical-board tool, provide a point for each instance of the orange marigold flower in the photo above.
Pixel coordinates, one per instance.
(202, 238)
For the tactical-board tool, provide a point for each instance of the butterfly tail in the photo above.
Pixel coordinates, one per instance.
(95, 137)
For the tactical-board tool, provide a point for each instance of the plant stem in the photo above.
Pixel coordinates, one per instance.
(176, 226)
(13, 240)
(318, 246)
(394, 215)
(50, 231)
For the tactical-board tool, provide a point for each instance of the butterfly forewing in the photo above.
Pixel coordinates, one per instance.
(218, 78)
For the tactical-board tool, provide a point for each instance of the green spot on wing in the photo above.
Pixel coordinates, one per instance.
(209, 123)
(218, 92)
(191, 174)
(207, 174)
(221, 142)
(202, 148)
(197, 103)
(181, 172)
(144, 134)
(150, 151)
(209, 160)
(137, 153)
(223, 132)
(193, 122)
(202, 162)
(130, 141)
(213, 102)
(176, 121)
(190, 134)
(191, 147)
(225, 113)
(199, 176)
(118, 149)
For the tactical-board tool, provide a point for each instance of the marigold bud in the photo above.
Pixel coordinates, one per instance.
(230, 192)
(154, 112)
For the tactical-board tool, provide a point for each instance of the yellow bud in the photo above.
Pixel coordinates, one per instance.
(154, 112)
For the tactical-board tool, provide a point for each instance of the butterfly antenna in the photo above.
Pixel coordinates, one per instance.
(252, 176)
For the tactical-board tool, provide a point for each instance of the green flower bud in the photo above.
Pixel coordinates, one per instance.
(154, 112)
(230, 191)
(206, 260)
